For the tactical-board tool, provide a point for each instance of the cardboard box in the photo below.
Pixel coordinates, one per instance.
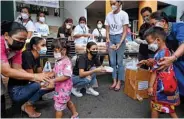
(136, 83)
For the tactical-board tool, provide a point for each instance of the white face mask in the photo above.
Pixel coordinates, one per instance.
(42, 19)
(114, 8)
(24, 16)
(153, 47)
(99, 26)
(68, 26)
(146, 19)
(159, 25)
(57, 56)
(82, 25)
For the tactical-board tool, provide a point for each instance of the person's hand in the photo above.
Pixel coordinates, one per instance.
(150, 91)
(142, 62)
(117, 46)
(107, 40)
(113, 47)
(51, 84)
(100, 69)
(166, 62)
(41, 77)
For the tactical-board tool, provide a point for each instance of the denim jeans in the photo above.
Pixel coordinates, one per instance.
(116, 56)
(80, 83)
(30, 92)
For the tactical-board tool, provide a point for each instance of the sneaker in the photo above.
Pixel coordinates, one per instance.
(76, 93)
(91, 91)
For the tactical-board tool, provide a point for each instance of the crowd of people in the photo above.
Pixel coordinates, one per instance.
(161, 50)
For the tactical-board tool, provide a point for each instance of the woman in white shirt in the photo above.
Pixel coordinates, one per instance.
(81, 36)
(116, 29)
(100, 36)
(25, 19)
(41, 27)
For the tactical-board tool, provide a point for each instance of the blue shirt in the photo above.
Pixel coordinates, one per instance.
(174, 39)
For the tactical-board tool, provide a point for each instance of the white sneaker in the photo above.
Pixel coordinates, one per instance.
(91, 91)
(76, 93)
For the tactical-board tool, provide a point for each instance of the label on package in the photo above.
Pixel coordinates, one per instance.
(142, 85)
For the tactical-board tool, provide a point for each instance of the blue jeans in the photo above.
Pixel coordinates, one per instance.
(117, 62)
(30, 92)
(79, 82)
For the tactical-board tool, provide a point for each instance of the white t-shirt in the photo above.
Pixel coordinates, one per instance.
(42, 29)
(79, 30)
(29, 26)
(96, 32)
(116, 22)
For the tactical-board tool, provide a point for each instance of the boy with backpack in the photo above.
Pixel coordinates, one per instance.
(163, 85)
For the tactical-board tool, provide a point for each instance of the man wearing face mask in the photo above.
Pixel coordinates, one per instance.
(41, 27)
(116, 29)
(145, 51)
(65, 30)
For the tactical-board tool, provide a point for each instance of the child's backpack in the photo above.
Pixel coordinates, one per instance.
(168, 78)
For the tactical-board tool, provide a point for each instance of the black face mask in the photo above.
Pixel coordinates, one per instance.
(94, 53)
(16, 45)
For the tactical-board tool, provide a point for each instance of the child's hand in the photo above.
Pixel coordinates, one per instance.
(142, 62)
(150, 91)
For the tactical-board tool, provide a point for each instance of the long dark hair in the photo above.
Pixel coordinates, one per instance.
(38, 15)
(69, 31)
(11, 27)
(89, 45)
(28, 12)
(144, 27)
(34, 41)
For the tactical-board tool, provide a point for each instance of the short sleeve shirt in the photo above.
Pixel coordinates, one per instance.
(7, 55)
(79, 30)
(42, 29)
(30, 26)
(84, 63)
(62, 31)
(160, 54)
(63, 68)
(29, 62)
(116, 22)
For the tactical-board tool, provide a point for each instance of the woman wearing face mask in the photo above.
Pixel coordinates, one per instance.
(116, 29)
(84, 71)
(41, 27)
(100, 35)
(175, 42)
(12, 41)
(30, 91)
(25, 20)
(65, 31)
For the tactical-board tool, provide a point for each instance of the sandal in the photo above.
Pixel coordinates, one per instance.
(75, 117)
(112, 87)
(30, 114)
(117, 89)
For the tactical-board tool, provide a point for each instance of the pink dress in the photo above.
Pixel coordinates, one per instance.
(63, 89)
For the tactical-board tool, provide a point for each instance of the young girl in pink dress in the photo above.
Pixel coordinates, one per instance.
(62, 82)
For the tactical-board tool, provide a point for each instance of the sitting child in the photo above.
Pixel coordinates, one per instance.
(63, 82)
(162, 86)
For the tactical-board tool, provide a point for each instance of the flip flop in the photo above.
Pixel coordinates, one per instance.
(117, 89)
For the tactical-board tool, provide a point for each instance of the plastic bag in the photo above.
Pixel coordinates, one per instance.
(47, 67)
(132, 64)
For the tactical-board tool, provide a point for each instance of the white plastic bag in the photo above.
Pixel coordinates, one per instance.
(47, 67)
(132, 64)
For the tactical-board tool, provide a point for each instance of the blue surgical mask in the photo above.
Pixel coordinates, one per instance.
(43, 51)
